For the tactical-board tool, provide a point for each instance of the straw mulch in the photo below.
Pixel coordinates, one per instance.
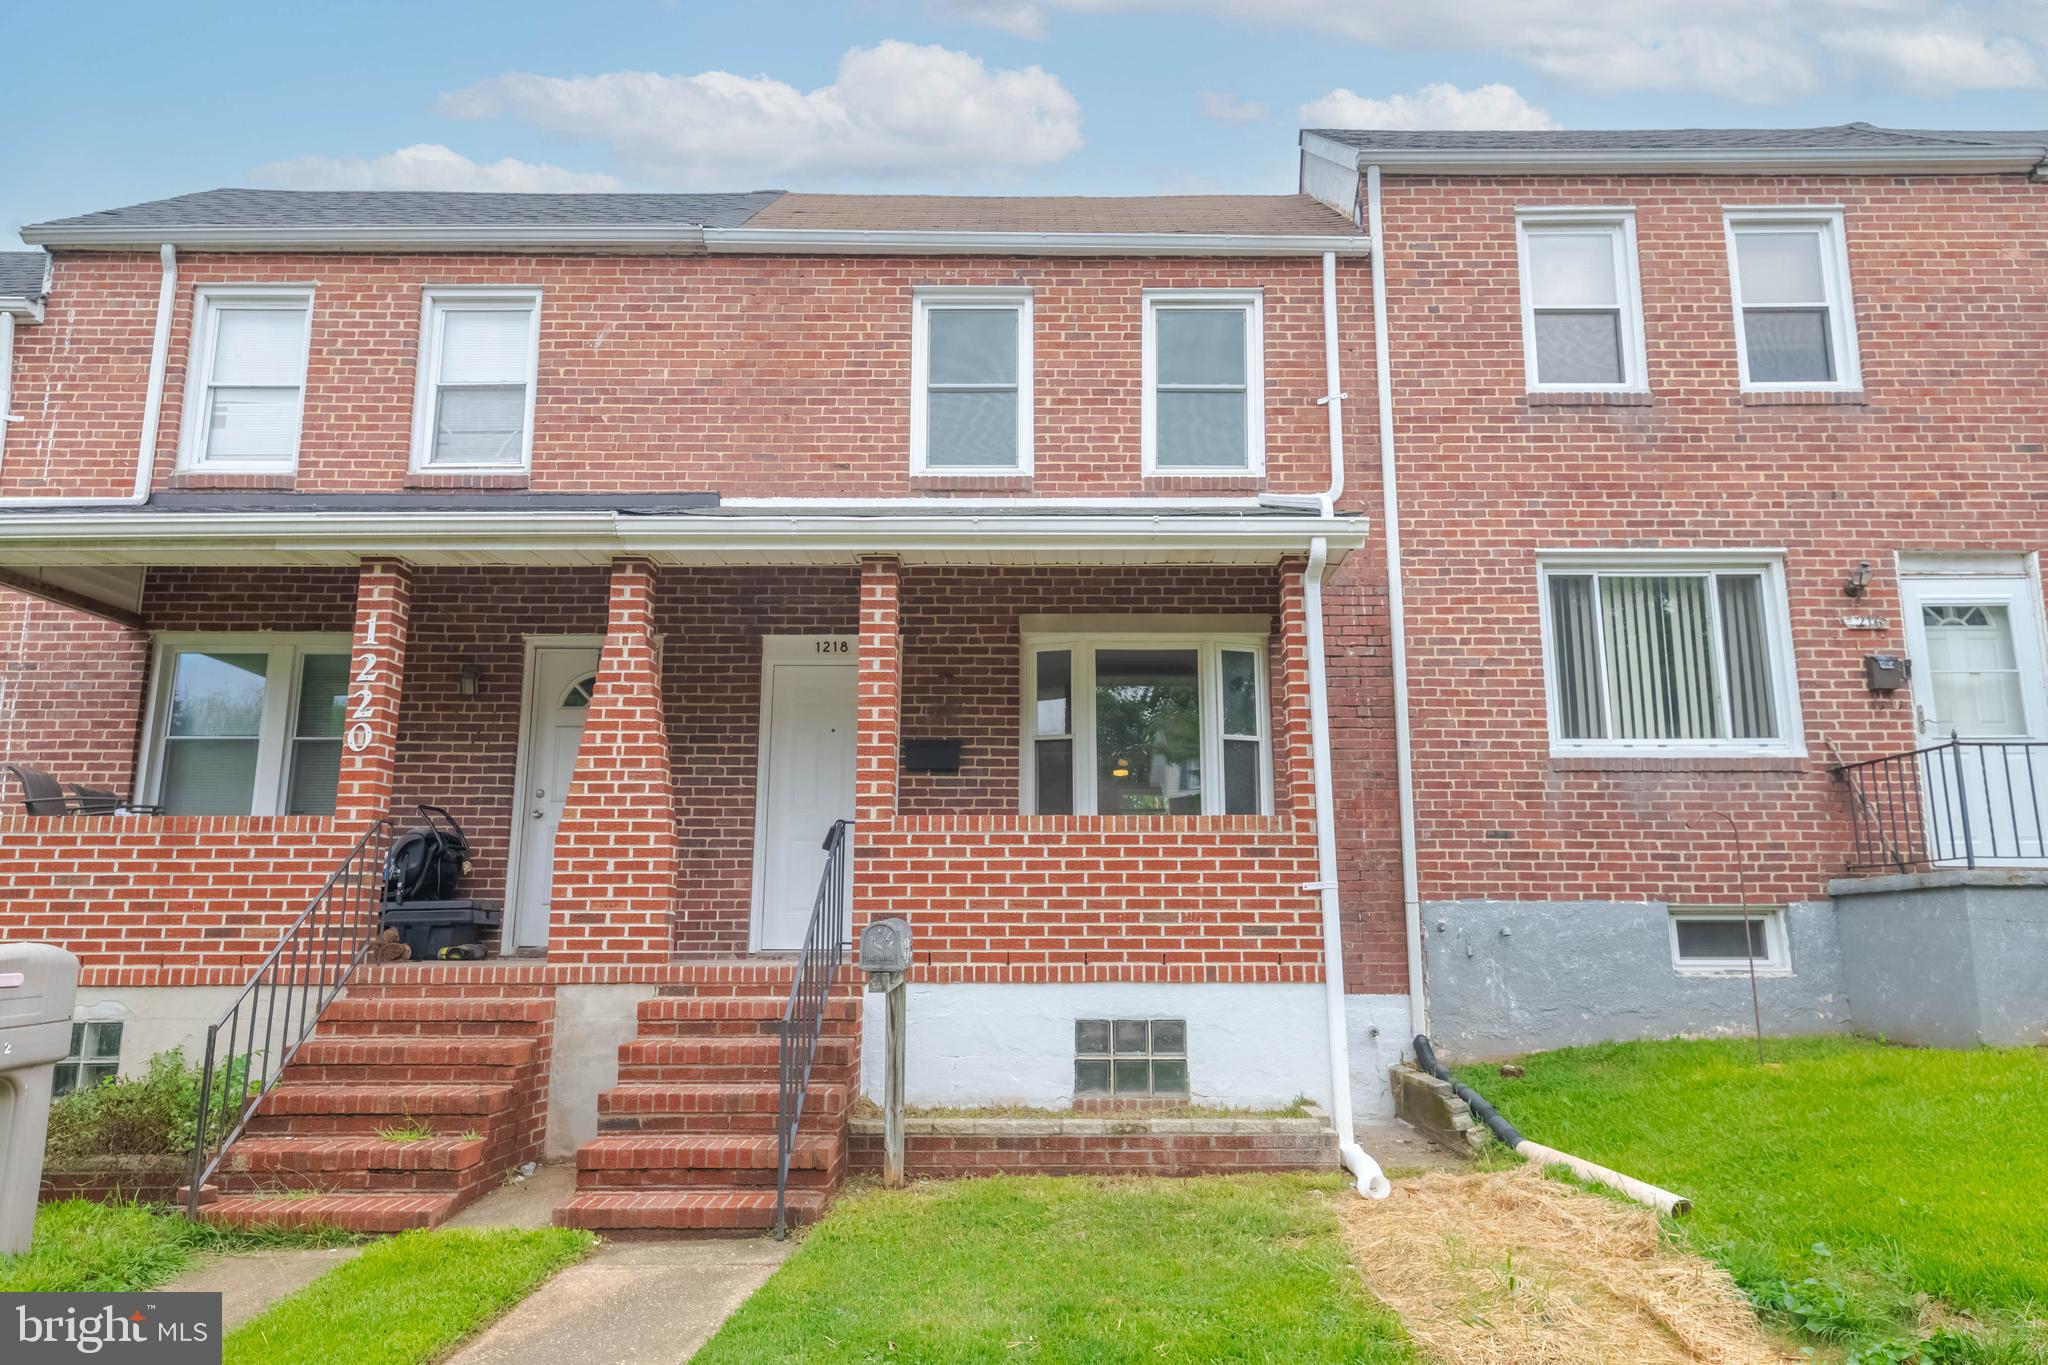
(1511, 1267)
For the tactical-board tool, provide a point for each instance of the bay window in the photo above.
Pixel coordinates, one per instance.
(1668, 654)
(247, 725)
(1144, 722)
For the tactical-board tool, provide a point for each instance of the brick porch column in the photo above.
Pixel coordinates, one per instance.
(376, 681)
(615, 852)
(1294, 743)
(879, 719)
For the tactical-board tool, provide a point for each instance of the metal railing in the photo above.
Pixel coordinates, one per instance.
(803, 1018)
(1955, 804)
(255, 1039)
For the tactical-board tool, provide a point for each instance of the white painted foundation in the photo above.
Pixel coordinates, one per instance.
(156, 1019)
(1377, 1035)
(1250, 1046)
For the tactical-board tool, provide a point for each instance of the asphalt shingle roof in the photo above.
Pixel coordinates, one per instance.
(234, 208)
(23, 274)
(1253, 214)
(1836, 137)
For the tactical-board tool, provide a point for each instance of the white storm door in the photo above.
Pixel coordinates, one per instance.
(806, 779)
(1976, 651)
(564, 678)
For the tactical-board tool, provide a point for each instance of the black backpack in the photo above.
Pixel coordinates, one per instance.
(426, 863)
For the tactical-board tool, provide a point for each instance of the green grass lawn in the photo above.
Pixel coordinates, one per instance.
(1858, 1192)
(85, 1247)
(407, 1300)
(1241, 1268)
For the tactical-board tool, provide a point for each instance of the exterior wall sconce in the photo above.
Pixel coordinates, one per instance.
(1858, 582)
(468, 680)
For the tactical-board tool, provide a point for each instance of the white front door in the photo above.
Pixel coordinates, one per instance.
(806, 778)
(564, 676)
(1976, 651)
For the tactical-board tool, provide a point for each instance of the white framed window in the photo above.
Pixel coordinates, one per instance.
(479, 350)
(1710, 940)
(1795, 322)
(1154, 717)
(1582, 301)
(970, 381)
(246, 724)
(1205, 382)
(245, 381)
(1668, 653)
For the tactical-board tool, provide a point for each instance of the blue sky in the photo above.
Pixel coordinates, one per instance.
(129, 102)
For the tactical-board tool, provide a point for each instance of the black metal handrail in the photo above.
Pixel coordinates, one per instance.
(803, 1018)
(1957, 803)
(281, 1005)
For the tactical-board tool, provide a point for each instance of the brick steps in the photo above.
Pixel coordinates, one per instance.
(682, 1212)
(716, 1107)
(257, 1164)
(355, 1212)
(707, 1160)
(728, 1057)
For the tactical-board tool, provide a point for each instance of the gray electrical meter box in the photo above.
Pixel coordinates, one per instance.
(38, 982)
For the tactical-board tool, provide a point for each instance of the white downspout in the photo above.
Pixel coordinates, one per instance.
(153, 402)
(1332, 399)
(7, 416)
(1397, 635)
(1372, 1182)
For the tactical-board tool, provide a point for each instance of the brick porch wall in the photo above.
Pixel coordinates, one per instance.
(70, 694)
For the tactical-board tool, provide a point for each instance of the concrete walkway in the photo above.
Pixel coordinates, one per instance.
(637, 1302)
(1402, 1149)
(249, 1282)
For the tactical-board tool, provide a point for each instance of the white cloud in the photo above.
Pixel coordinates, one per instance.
(425, 166)
(895, 109)
(1937, 61)
(1019, 18)
(1229, 108)
(1761, 51)
(1433, 106)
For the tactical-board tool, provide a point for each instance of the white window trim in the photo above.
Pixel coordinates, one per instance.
(1094, 632)
(1620, 223)
(924, 300)
(1791, 742)
(280, 704)
(192, 425)
(1829, 225)
(1778, 950)
(1253, 302)
(434, 299)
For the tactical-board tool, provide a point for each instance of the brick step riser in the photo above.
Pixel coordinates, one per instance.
(363, 1125)
(656, 1221)
(483, 990)
(292, 1214)
(727, 1051)
(847, 1029)
(768, 1011)
(705, 1179)
(354, 1182)
(412, 1030)
(715, 1073)
(728, 990)
(467, 1074)
(709, 1124)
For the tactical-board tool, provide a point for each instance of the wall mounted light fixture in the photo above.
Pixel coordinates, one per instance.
(467, 681)
(1858, 582)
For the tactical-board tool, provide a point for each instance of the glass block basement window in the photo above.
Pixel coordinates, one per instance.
(95, 1056)
(1130, 1057)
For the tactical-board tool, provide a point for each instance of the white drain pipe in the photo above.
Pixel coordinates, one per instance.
(1372, 1182)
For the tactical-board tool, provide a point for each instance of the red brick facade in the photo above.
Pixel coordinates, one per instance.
(68, 699)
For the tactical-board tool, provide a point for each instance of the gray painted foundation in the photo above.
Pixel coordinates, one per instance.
(1947, 959)
(1507, 977)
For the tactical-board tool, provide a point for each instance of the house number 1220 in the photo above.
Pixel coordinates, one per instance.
(359, 733)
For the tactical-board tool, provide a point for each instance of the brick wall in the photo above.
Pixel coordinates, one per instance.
(70, 694)
(1944, 453)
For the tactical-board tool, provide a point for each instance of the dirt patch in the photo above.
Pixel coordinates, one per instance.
(1510, 1267)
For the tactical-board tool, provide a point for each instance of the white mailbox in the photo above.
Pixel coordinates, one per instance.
(38, 982)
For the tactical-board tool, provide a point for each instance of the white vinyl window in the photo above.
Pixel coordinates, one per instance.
(1795, 327)
(1204, 377)
(245, 383)
(1582, 310)
(1711, 940)
(1668, 655)
(970, 365)
(247, 725)
(478, 353)
(1146, 723)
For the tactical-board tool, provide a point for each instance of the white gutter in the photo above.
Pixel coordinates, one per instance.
(1930, 159)
(1372, 1182)
(1397, 636)
(689, 240)
(152, 405)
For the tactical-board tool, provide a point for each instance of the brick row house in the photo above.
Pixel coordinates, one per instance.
(1225, 676)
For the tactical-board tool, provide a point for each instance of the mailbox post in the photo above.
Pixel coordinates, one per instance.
(38, 982)
(885, 957)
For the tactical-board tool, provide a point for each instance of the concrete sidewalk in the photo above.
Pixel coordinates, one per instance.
(636, 1302)
(250, 1281)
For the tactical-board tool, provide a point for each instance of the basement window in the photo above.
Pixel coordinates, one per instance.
(1710, 940)
(1130, 1057)
(95, 1056)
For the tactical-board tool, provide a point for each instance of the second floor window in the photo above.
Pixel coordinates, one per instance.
(1582, 317)
(1793, 323)
(246, 380)
(1205, 402)
(971, 382)
(478, 353)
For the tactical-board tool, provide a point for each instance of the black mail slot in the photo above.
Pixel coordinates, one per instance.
(931, 755)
